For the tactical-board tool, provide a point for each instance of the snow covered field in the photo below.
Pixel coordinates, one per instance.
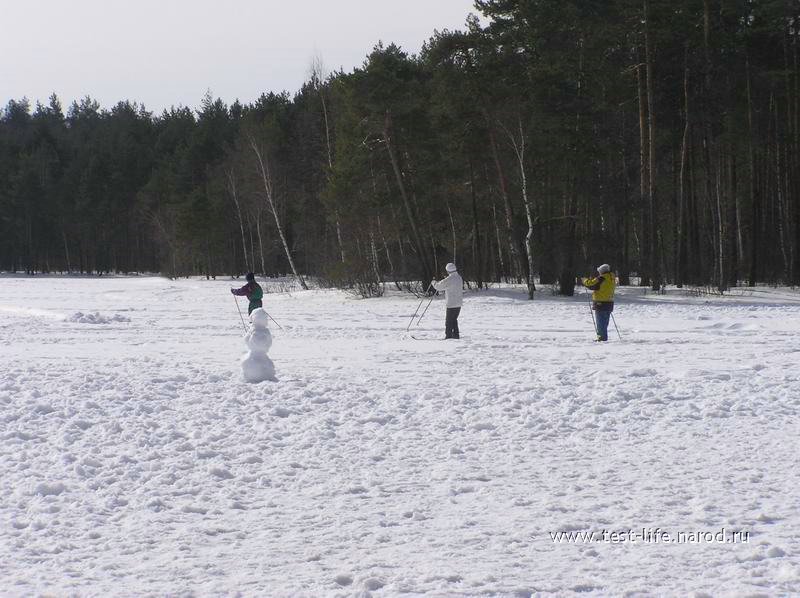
(135, 461)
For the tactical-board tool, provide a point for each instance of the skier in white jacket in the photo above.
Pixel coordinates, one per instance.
(453, 287)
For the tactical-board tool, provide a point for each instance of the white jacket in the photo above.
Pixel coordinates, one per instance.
(453, 286)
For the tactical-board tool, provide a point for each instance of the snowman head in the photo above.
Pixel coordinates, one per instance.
(259, 318)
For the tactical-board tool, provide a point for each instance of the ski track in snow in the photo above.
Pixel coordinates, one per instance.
(135, 461)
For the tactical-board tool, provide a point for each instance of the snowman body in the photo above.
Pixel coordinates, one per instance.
(256, 365)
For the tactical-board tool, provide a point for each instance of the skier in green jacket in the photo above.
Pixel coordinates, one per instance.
(253, 291)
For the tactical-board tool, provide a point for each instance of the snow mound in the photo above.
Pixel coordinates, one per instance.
(49, 489)
(96, 318)
(732, 326)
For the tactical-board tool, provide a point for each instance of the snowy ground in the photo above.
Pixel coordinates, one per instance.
(135, 461)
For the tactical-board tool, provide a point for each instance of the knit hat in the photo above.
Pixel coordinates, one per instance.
(250, 276)
(451, 267)
(603, 269)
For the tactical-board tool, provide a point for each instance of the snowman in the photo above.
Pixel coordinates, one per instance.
(256, 365)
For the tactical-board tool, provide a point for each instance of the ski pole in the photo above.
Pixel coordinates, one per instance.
(416, 311)
(591, 311)
(615, 325)
(240, 313)
(273, 319)
(425, 310)
(415, 314)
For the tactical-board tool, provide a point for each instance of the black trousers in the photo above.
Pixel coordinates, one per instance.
(451, 322)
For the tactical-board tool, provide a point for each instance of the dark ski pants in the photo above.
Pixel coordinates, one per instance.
(602, 318)
(451, 322)
(253, 305)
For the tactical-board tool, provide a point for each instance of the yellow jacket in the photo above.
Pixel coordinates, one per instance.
(602, 287)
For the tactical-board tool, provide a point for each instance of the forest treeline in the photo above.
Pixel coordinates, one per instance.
(547, 137)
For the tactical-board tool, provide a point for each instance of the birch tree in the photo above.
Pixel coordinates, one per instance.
(518, 142)
(235, 197)
(269, 195)
(318, 77)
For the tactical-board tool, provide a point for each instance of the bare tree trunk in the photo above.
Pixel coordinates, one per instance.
(31, 266)
(385, 246)
(624, 269)
(452, 230)
(655, 274)
(681, 243)
(373, 254)
(780, 196)
(66, 251)
(721, 280)
(499, 243)
(266, 178)
(399, 238)
(787, 164)
(415, 236)
(433, 249)
(250, 234)
(260, 243)
(795, 145)
(643, 172)
(478, 259)
(736, 256)
(790, 145)
(235, 197)
(754, 200)
(168, 239)
(318, 75)
(514, 256)
(518, 145)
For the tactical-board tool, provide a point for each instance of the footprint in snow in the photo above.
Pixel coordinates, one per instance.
(49, 489)
(642, 373)
(281, 412)
(221, 473)
(373, 583)
(194, 509)
(343, 580)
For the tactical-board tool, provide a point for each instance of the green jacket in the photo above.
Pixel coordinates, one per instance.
(253, 292)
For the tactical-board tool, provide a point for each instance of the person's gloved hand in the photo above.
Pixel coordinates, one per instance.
(233, 291)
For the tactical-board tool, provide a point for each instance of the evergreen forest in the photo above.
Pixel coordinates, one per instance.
(544, 138)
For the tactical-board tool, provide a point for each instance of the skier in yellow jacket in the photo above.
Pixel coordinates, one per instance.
(602, 286)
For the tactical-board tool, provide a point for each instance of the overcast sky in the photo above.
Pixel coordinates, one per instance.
(169, 52)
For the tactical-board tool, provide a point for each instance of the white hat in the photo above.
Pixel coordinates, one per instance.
(604, 268)
(451, 267)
